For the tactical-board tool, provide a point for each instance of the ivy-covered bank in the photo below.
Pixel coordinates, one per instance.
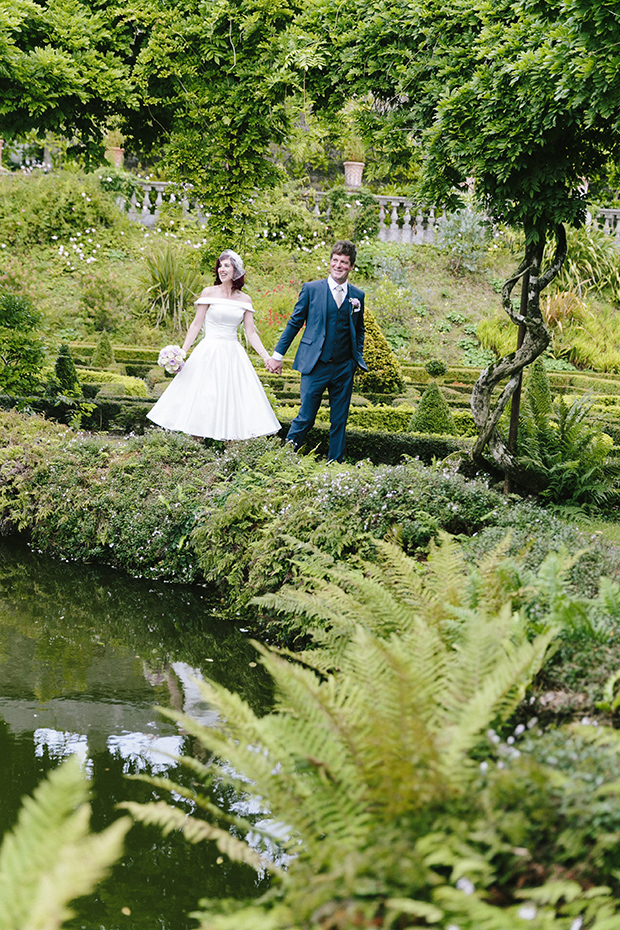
(165, 506)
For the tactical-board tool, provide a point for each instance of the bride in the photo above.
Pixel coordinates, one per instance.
(217, 393)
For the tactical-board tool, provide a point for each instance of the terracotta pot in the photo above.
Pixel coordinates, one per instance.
(115, 155)
(353, 173)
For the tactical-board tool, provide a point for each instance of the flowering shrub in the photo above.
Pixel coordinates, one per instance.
(53, 207)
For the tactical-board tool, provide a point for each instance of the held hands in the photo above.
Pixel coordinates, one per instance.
(273, 366)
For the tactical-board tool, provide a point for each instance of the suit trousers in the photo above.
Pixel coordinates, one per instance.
(337, 378)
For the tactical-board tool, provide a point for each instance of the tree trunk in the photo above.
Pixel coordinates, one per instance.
(515, 407)
(535, 340)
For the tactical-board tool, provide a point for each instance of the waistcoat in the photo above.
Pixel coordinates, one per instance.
(337, 346)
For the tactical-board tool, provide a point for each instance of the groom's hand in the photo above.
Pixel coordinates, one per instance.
(274, 366)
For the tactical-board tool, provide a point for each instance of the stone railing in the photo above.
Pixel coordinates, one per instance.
(609, 221)
(400, 219)
(145, 205)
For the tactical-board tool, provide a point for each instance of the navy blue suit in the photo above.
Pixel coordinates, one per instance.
(330, 351)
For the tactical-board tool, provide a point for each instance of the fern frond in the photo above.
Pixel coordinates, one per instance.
(446, 581)
(50, 857)
(253, 917)
(169, 818)
(495, 698)
(198, 799)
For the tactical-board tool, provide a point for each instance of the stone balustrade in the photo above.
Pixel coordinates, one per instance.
(145, 205)
(609, 221)
(400, 218)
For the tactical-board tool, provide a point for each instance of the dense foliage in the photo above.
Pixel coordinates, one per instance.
(401, 801)
(51, 857)
(21, 347)
(565, 455)
(238, 518)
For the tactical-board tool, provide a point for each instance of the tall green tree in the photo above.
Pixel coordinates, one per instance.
(518, 97)
(216, 79)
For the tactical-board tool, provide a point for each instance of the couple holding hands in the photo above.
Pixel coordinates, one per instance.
(218, 393)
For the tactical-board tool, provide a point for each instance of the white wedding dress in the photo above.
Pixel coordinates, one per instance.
(217, 393)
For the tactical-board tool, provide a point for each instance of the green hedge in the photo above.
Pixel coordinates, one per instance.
(383, 448)
(382, 418)
(131, 387)
(120, 413)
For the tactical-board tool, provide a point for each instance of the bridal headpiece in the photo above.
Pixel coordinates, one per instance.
(237, 263)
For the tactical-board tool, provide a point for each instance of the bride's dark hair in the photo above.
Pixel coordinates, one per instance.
(239, 276)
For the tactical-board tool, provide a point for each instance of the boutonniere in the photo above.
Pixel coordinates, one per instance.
(355, 304)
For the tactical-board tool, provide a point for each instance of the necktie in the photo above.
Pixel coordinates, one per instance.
(338, 294)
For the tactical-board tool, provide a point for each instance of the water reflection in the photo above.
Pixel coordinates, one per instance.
(85, 654)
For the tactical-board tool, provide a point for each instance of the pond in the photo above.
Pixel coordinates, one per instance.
(86, 657)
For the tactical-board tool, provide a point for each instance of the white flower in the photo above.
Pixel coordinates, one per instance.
(527, 912)
(465, 885)
(171, 359)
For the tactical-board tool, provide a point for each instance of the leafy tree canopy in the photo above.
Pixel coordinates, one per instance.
(517, 98)
(64, 68)
(518, 95)
(218, 78)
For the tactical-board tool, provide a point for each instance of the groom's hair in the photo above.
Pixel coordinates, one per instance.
(344, 247)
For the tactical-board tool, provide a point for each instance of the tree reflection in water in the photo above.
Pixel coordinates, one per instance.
(85, 655)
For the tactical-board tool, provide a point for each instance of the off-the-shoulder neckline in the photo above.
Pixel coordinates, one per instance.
(225, 300)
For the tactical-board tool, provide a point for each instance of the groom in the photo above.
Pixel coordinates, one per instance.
(330, 349)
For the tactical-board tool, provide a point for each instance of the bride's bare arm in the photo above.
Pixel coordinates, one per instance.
(253, 337)
(195, 326)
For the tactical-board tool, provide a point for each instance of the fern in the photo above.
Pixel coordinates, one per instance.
(367, 765)
(51, 857)
(564, 454)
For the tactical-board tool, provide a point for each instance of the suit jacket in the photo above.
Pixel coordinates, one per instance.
(311, 309)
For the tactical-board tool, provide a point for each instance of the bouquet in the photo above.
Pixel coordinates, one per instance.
(171, 359)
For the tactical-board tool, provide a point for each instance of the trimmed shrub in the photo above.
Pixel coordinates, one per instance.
(464, 423)
(436, 367)
(66, 373)
(432, 414)
(382, 418)
(384, 372)
(383, 448)
(104, 353)
(128, 386)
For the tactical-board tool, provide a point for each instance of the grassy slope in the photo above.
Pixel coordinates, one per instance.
(414, 302)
